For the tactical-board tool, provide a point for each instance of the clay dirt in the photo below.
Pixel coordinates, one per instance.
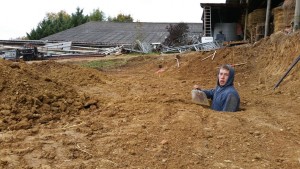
(58, 114)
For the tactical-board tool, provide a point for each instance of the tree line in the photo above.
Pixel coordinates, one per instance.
(57, 22)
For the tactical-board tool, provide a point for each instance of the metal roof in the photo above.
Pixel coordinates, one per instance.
(235, 1)
(252, 4)
(113, 33)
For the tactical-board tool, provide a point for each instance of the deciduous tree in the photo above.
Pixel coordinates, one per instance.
(121, 18)
(177, 34)
(97, 15)
(52, 23)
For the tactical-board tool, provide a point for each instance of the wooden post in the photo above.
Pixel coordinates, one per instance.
(246, 20)
(267, 18)
(297, 16)
(287, 72)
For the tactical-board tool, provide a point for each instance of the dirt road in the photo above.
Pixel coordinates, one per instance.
(59, 115)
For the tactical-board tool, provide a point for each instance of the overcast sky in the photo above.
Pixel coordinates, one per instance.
(19, 17)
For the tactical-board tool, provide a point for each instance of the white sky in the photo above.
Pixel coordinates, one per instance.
(18, 17)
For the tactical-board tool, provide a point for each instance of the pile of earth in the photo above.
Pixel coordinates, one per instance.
(263, 62)
(43, 92)
(140, 115)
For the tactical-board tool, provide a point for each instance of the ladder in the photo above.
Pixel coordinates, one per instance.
(207, 21)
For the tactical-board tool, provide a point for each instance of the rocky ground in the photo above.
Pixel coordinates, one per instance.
(59, 115)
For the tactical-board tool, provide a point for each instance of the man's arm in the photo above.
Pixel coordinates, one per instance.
(209, 93)
(231, 103)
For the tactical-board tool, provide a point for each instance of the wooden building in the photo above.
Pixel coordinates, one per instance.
(247, 19)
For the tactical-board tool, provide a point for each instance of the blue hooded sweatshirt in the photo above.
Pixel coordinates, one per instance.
(224, 98)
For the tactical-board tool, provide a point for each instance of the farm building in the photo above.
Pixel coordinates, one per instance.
(247, 19)
(112, 33)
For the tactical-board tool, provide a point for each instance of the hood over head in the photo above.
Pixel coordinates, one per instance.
(231, 75)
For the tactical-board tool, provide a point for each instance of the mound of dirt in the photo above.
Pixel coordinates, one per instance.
(140, 115)
(70, 74)
(43, 92)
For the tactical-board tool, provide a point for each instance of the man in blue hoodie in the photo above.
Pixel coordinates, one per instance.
(224, 97)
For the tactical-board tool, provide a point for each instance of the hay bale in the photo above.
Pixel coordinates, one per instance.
(289, 4)
(288, 11)
(257, 16)
(279, 24)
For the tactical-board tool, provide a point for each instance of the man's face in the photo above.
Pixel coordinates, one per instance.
(223, 76)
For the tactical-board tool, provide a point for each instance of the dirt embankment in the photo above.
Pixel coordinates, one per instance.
(41, 93)
(58, 115)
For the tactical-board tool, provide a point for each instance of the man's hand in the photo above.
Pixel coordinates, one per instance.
(196, 87)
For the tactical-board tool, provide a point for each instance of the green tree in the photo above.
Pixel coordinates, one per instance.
(78, 18)
(61, 22)
(57, 22)
(97, 15)
(51, 24)
(121, 18)
(177, 34)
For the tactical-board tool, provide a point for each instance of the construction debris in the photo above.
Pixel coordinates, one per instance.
(57, 50)
(211, 55)
(54, 50)
(197, 47)
(177, 60)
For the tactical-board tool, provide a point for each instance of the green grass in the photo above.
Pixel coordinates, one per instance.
(104, 64)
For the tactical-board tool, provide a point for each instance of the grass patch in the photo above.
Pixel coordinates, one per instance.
(104, 64)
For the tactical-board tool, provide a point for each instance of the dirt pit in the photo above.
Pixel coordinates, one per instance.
(60, 115)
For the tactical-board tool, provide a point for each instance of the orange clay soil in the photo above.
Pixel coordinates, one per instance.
(60, 115)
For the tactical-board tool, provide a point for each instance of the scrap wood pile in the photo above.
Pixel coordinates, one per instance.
(61, 50)
(141, 47)
(57, 50)
(67, 49)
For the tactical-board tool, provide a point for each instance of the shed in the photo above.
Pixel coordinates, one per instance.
(232, 17)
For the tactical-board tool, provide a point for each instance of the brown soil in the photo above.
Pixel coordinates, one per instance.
(59, 115)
